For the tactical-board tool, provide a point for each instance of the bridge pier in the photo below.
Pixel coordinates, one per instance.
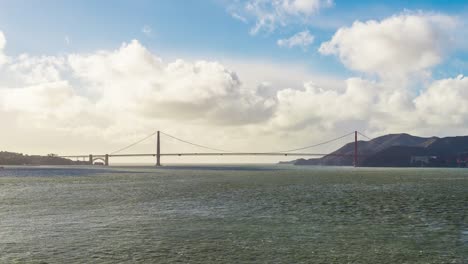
(158, 150)
(106, 160)
(91, 159)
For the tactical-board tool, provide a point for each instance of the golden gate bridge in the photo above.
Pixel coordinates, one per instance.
(104, 158)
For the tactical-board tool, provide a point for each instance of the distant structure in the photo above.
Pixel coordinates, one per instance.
(462, 159)
(392, 150)
(422, 160)
(103, 159)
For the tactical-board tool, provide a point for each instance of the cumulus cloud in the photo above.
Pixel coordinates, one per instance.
(318, 106)
(113, 93)
(51, 105)
(302, 39)
(3, 57)
(133, 78)
(268, 15)
(396, 46)
(444, 103)
(305, 7)
(441, 109)
(56, 99)
(37, 69)
(105, 91)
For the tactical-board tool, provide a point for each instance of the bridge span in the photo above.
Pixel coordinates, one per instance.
(105, 157)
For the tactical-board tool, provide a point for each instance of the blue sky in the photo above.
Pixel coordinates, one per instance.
(179, 27)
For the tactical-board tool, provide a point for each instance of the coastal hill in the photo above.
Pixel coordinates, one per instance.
(399, 150)
(12, 158)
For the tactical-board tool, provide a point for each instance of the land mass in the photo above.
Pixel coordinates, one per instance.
(12, 158)
(399, 150)
(393, 150)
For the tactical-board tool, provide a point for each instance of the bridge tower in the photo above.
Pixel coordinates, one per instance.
(90, 159)
(106, 160)
(355, 150)
(158, 150)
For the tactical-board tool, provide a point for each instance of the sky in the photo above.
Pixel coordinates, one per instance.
(79, 77)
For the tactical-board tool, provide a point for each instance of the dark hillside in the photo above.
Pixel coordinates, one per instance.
(12, 158)
(398, 150)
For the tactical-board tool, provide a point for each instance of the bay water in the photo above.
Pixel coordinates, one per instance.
(233, 214)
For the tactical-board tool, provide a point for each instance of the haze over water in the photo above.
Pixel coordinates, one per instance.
(233, 214)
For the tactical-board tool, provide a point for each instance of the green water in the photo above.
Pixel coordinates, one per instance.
(237, 214)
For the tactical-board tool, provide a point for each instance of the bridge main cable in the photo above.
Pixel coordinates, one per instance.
(315, 145)
(282, 151)
(133, 144)
(194, 144)
(364, 135)
(225, 152)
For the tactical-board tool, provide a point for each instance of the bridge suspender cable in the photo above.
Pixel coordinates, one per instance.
(228, 151)
(173, 137)
(194, 144)
(364, 135)
(283, 151)
(223, 152)
(318, 144)
(133, 144)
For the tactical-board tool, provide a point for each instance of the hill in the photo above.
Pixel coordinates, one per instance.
(12, 158)
(399, 150)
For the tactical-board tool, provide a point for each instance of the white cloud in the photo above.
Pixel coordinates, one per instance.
(3, 57)
(302, 39)
(51, 98)
(441, 109)
(306, 7)
(268, 15)
(51, 105)
(317, 106)
(444, 103)
(122, 94)
(33, 70)
(147, 30)
(396, 46)
(133, 78)
(239, 17)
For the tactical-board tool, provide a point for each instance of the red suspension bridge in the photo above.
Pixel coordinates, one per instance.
(104, 158)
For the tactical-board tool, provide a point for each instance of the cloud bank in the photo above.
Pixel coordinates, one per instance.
(396, 46)
(3, 58)
(130, 90)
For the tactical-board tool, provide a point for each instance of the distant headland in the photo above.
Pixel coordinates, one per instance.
(12, 158)
(399, 150)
